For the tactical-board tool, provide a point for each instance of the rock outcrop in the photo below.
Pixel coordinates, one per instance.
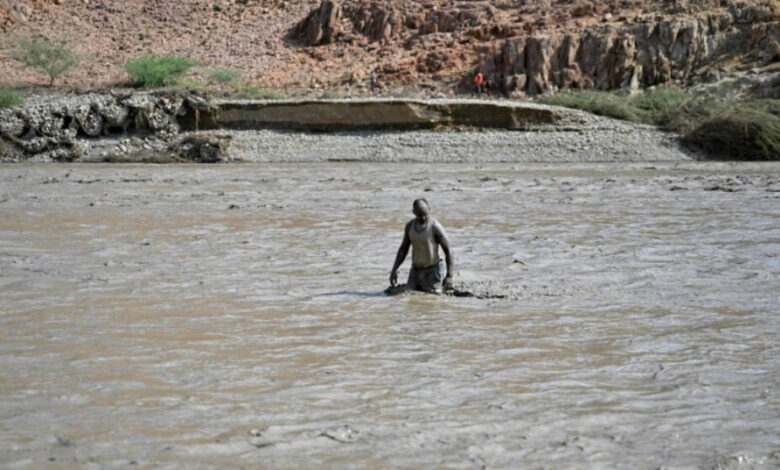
(320, 26)
(331, 22)
(202, 148)
(375, 20)
(535, 47)
(608, 57)
(58, 129)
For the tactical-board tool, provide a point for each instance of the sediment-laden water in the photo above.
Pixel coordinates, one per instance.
(232, 316)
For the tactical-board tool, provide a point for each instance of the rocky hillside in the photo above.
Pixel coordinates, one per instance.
(524, 47)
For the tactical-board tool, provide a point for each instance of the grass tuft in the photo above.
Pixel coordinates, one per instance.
(10, 98)
(253, 92)
(223, 76)
(152, 70)
(660, 100)
(597, 102)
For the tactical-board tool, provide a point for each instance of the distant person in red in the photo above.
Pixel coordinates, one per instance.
(479, 82)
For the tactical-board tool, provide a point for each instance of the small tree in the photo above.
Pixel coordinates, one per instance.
(53, 56)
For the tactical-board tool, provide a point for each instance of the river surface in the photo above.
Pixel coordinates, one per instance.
(232, 316)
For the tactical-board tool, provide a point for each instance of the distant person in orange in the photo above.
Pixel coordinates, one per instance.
(479, 82)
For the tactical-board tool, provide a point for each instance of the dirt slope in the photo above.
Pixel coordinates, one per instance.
(525, 47)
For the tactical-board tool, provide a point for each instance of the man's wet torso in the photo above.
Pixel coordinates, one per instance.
(425, 248)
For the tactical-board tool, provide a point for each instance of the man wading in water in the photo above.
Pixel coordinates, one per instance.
(425, 235)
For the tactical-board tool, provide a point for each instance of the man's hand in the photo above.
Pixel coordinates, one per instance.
(447, 283)
(393, 278)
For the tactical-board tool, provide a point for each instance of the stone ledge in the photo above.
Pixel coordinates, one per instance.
(348, 114)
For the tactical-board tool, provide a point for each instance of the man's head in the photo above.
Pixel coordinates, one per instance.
(421, 210)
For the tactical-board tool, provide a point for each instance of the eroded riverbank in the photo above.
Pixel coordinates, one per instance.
(168, 127)
(208, 316)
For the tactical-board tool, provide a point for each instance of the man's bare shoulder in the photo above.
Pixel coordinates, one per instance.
(438, 229)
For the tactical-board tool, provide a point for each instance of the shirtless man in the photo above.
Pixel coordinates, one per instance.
(424, 234)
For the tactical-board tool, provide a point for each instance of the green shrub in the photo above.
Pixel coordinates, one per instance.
(725, 128)
(743, 133)
(10, 98)
(223, 76)
(598, 102)
(656, 106)
(52, 56)
(152, 70)
(661, 99)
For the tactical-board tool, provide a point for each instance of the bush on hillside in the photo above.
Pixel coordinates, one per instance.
(661, 99)
(747, 130)
(153, 70)
(598, 102)
(748, 134)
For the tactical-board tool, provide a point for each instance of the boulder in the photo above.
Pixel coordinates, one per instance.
(320, 26)
(203, 148)
(51, 124)
(92, 124)
(463, 16)
(12, 125)
(10, 152)
(114, 115)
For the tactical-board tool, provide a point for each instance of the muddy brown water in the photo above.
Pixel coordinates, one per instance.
(232, 316)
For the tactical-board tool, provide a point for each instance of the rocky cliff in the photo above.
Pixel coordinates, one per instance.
(639, 54)
(573, 45)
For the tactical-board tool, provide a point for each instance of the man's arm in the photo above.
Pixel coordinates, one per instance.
(401, 256)
(444, 241)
